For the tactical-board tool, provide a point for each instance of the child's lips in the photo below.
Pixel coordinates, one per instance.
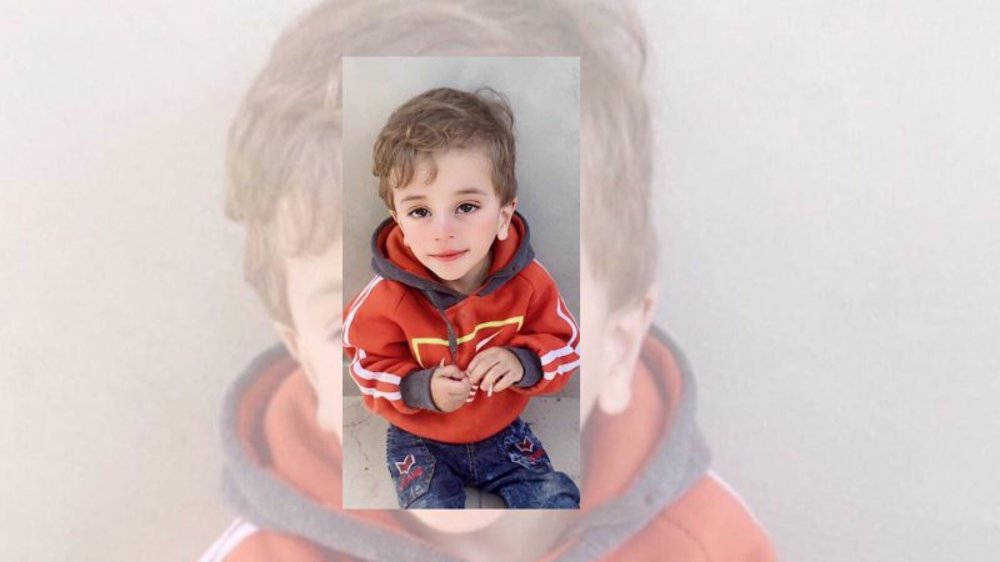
(449, 256)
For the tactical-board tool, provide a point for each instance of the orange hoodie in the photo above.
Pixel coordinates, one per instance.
(656, 502)
(405, 323)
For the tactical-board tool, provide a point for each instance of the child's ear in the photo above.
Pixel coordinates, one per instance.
(627, 331)
(289, 337)
(506, 215)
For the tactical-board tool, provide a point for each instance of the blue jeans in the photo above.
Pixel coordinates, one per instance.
(430, 474)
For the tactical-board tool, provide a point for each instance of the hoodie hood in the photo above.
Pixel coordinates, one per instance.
(283, 473)
(393, 260)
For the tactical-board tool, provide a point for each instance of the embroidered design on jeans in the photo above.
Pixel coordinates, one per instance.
(408, 471)
(405, 465)
(527, 448)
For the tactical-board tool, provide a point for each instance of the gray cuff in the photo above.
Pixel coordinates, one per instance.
(416, 390)
(531, 364)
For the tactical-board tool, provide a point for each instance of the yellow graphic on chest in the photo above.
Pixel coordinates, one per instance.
(415, 343)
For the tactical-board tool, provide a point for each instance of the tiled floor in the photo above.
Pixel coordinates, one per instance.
(367, 484)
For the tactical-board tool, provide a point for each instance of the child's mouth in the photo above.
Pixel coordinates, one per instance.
(449, 256)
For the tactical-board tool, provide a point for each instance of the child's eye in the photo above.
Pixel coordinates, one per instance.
(419, 213)
(467, 207)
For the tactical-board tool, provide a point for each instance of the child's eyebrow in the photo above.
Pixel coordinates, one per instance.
(471, 191)
(411, 198)
(466, 191)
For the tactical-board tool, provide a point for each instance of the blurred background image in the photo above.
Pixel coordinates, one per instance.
(827, 203)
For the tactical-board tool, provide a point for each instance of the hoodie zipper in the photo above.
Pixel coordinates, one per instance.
(452, 340)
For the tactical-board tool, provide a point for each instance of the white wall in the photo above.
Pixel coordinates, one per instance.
(829, 203)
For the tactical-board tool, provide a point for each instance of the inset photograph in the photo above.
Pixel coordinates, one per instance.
(462, 282)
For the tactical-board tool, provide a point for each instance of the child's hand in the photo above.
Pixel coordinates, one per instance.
(495, 368)
(450, 388)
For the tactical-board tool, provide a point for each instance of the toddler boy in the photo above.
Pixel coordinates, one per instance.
(460, 325)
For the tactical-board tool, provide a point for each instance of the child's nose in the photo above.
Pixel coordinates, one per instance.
(444, 228)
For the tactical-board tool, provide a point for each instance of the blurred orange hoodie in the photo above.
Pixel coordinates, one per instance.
(657, 501)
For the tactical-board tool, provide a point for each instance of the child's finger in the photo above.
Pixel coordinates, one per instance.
(458, 390)
(451, 372)
(440, 370)
(486, 369)
(458, 384)
(505, 382)
(463, 387)
(474, 371)
(492, 378)
(482, 357)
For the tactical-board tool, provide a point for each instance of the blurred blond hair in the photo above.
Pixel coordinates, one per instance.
(284, 155)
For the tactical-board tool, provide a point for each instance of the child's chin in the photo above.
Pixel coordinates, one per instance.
(457, 521)
(446, 273)
(447, 276)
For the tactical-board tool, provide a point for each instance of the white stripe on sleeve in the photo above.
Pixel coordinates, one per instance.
(363, 373)
(568, 348)
(357, 304)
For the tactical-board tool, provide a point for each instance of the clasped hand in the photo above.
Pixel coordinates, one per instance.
(493, 370)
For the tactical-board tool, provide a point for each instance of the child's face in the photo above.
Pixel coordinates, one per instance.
(450, 223)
